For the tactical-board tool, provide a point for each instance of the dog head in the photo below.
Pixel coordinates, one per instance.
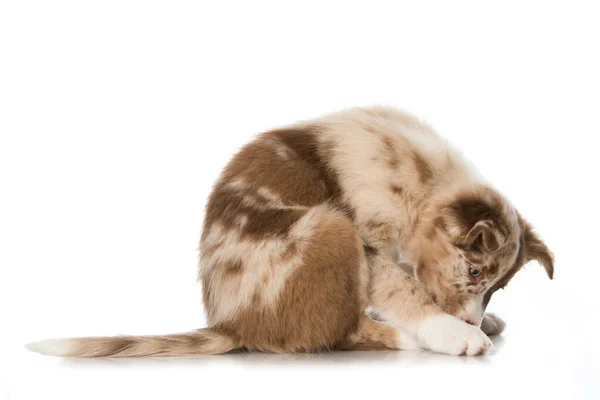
(470, 244)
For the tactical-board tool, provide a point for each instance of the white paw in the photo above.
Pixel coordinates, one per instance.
(492, 324)
(449, 335)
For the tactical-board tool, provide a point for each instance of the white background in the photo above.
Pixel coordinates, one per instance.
(117, 116)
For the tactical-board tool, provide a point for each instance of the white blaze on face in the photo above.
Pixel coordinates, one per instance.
(473, 311)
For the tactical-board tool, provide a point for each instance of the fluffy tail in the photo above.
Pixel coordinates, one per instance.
(201, 342)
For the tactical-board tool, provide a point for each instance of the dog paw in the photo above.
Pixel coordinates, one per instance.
(492, 325)
(449, 335)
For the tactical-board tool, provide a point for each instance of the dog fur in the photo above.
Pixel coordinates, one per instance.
(358, 230)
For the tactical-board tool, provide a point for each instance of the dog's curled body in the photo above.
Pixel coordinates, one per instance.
(311, 225)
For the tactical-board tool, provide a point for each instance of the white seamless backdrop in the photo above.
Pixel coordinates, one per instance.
(117, 116)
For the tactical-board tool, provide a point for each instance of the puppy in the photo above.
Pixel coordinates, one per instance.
(358, 230)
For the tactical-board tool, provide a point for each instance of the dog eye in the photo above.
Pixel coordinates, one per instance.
(474, 271)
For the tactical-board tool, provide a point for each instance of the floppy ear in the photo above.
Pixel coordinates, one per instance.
(475, 224)
(484, 236)
(535, 249)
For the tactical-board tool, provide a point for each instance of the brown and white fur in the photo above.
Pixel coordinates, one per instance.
(359, 230)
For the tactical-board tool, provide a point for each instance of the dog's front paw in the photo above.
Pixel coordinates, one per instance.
(492, 325)
(449, 335)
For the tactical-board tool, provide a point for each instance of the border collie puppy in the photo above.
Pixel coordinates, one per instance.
(358, 230)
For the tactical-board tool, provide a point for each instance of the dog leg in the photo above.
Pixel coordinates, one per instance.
(401, 300)
(376, 335)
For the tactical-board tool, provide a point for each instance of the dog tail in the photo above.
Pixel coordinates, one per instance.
(201, 342)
